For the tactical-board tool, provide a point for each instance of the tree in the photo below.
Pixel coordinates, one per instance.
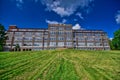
(111, 45)
(2, 37)
(17, 47)
(116, 40)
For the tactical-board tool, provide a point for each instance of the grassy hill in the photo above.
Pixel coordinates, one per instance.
(60, 65)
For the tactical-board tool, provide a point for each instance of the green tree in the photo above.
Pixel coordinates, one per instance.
(2, 37)
(111, 45)
(116, 40)
(17, 47)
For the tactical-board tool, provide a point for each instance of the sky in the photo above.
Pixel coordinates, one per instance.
(82, 14)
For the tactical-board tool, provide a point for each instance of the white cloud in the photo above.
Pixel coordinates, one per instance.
(76, 26)
(64, 21)
(65, 7)
(56, 22)
(80, 15)
(62, 7)
(52, 22)
(61, 11)
(117, 17)
(111, 39)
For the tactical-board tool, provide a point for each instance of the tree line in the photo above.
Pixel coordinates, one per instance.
(114, 43)
(2, 37)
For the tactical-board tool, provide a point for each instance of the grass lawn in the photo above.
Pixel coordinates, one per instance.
(60, 65)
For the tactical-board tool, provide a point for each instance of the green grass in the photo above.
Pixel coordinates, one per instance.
(60, 65)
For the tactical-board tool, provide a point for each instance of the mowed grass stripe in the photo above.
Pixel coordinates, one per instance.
(7, 55)
(15, 63)
(20, 66)
(31, 68)
(13, 60)
(78, 66)
(58, 65)
(87, 62)
(40, 68)
(61, 65)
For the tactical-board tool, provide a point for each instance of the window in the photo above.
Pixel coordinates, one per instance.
(60, 28)
(90, 38)
(98, 44)
(38, 44)
(28, 33)
(38, 33)
(60, 44)
(80, 34)
(68, 28)
(98, 34)
(28, 38)
(52, 33)
(52, 28)
(52, 38)
(81, 44)
(45, 44)
(97, 39)
(60, 38)
(18, 38)
(90, 44)
(68, 43)
(60, 33)
(68, 38)
(68, 33)
(53, 44)
(81, 39)
(106, 44)
(18, 33)
(38, 38)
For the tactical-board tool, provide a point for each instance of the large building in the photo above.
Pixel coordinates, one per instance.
(56, 36)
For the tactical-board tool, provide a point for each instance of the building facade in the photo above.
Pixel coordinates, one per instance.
(56, 36)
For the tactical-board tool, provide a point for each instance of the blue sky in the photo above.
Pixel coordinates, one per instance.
(84, 14)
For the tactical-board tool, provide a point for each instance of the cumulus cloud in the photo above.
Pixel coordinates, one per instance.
(76, 26)
(62, 7)
(56, 22)
(65, 7)
(117, 17)
(61, 11)
(51, 22)
(80, 15)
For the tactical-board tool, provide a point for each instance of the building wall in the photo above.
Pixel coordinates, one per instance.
(60, 36)
(56, 36)
(90, 40)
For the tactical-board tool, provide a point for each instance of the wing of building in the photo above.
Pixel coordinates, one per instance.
(56, 36)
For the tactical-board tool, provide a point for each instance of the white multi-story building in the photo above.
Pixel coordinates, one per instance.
(56, 36)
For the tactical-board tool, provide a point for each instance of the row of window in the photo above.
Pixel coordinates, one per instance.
(54, 44)
(60, 28)
(90, 34)
(60, 33)
(91, 44)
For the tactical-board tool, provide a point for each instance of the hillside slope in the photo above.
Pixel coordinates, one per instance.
(60, 65)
